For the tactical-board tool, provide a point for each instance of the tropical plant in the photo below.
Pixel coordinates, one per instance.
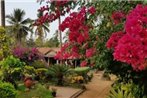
(39, 64)
(4, 44)
(59, 72)
(25, 54)
(53, 42)
(40, 30)
(7, 90)
(120, 94)
(19, 25)
(12, 69)
(128, 43)
(39, 91)
(126, 90)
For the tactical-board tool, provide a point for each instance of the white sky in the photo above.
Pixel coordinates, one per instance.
(30, 7)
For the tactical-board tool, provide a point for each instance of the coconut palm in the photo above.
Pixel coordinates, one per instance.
(40, 30)
(19, 25)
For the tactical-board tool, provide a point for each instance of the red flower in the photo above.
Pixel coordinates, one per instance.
(117, 16)
(115, 37)
(131, 47)
(90, 52)
(92, 10)
(83, 63)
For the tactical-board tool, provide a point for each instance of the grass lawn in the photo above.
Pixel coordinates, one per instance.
(39, 91)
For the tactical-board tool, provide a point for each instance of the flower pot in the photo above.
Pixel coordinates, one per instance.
(54, 94)
(28, 83)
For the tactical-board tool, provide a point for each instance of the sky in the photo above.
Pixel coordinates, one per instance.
(30, 7)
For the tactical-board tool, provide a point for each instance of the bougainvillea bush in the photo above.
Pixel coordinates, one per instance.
(130, 45)
(27, 55)
(53, 10)
(81, 42)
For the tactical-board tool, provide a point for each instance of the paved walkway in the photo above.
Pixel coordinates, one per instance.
(66, 92)
(97, 88)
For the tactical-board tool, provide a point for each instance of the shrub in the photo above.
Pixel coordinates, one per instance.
(5, 42)
(7, 90)
(41, 74)
(38, 64)
(12, 69)
(82, 71)
(58, 72)
(126, 90)
(39, 91)
(29, 70)
(27, 55)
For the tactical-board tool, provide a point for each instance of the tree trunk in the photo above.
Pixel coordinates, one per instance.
(60, 33)
(2, 5)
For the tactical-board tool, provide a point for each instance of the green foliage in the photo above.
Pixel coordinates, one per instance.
(83, 71)
(12, 69)
(19, 25)
(39, 91)
(126, 90)
(53, 42)
(7, 90)
(29, 70)
(38, 64)
(104, 26)
(41, 74)
(58, 72)
(4, 43)
(11, 62)
(120, 94)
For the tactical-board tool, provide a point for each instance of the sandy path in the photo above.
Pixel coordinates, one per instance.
(97, 88)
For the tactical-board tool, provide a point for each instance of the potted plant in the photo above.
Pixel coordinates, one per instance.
(28, 82)
(54, 91)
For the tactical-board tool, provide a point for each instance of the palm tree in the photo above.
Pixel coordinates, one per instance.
(40, 30)
(19, 25)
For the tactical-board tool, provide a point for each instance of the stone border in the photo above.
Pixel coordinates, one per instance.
(78, 93)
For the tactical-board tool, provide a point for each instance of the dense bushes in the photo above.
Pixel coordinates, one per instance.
(12, 69)
(126, 90)
(7, 90)
(58, 72)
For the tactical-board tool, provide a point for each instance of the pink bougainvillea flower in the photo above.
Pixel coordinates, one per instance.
(113, 40)
(117, 16)
(92, 10)
(83, 63)
(131, 46)
(90, 52)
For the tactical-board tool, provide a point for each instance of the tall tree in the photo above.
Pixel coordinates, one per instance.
(53, 42)
(40, 30)
(2, 2)
(19, 25)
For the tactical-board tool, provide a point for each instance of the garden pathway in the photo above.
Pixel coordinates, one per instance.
(97, 88)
